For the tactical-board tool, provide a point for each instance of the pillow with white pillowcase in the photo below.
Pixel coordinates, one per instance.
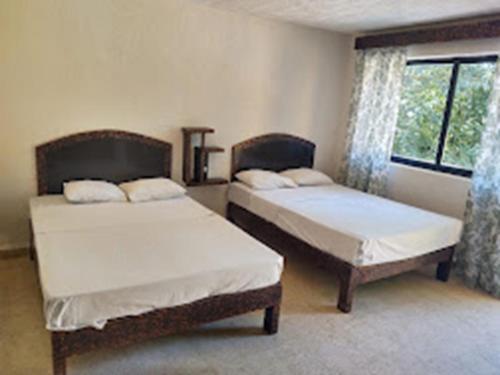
(259, 179)
(152, 189)
(92, 191)
(307, 177)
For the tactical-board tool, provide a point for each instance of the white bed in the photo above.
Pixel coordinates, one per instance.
(358, 228)
(108, 260)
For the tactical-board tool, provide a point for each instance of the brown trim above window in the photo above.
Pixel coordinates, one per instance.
(478, 29)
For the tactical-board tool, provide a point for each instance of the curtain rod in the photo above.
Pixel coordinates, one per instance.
(432, 34)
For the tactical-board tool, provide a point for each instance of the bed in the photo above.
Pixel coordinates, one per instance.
(360, 237)
(113, 274)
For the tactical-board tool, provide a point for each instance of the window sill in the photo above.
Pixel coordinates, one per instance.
(432, 168)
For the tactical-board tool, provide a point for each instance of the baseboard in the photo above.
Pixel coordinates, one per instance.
(13, 250)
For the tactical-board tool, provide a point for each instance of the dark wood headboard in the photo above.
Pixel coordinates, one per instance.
(111, 155)
(273, 152)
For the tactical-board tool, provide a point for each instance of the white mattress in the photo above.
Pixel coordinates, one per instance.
(359, 228)
(102, 261)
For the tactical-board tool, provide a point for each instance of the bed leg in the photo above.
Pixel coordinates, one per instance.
(31, 249)
(58, 357)
(443, 271)
(444, 268)
(271, 319)
(59, 365)
(229, 217)
(348, 280)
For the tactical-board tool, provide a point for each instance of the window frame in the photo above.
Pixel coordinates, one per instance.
(436, 165)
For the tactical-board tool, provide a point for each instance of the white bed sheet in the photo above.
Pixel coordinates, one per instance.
(107, 260)
(359, 228)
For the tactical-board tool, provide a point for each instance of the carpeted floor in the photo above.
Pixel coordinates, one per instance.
(409, 324)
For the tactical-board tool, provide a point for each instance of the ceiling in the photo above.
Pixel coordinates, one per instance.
(360, 15)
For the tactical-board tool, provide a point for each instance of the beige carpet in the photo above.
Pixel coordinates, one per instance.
(409, 324)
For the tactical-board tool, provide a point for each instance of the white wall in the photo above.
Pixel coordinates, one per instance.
(434, 191)
(459, 48)
(153, 67)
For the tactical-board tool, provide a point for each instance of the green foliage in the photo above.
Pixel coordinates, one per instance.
(423, 101)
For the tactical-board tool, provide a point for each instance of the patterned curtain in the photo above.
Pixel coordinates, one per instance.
(478, 254)
(373, 117)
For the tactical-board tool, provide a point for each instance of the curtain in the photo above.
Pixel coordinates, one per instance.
(372, 120)
(478, 254)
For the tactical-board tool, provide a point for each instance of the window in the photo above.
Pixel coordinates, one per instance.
(442, 113)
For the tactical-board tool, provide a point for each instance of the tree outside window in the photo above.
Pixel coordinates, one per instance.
(442, 113)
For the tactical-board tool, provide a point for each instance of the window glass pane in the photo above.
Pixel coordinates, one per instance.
(468, 114)
(423, 100)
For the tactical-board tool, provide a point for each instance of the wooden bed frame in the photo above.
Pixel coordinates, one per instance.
(119, 156)
(277, 152)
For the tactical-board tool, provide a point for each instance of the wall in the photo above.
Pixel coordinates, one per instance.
(434, 191)
(153, 67)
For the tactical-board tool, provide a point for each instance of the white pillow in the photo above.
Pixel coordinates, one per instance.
(92, 191)
(151, 189)
(307, 177)
(264, 180)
